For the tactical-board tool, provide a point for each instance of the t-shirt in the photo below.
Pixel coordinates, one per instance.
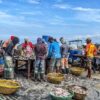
(64, 50)
(41, 51)
(28, 48)
(90, 50)
(24, 45)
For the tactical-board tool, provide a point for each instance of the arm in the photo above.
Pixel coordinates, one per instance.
(31, 45)
(45, 49)
(50, 50)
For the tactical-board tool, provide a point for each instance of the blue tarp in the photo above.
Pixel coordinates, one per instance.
(72, 52)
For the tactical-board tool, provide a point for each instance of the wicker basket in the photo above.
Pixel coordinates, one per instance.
(55, 78)
(77, 71)
(8, 86)
(78, 96)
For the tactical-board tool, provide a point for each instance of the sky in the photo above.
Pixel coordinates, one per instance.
(71, 19)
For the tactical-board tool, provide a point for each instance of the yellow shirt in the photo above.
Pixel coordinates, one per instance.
(90, 50)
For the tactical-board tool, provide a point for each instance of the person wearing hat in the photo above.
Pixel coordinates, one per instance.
(90, 53)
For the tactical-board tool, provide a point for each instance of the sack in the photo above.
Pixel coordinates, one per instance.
(1, 61)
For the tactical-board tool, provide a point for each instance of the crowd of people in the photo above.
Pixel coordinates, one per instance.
(50, 56)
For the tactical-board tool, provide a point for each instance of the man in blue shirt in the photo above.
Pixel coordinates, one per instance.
(54, 55)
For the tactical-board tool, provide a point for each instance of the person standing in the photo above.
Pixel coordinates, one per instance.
(40, 51)
(64, 56)
(28, 48)
(9, 68)
(9, 46)
(6, 43)
(54, 55)
(90, 53)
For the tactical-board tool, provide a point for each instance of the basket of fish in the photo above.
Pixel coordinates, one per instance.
(8, 86)
(77, 71)
(80, 92)
(61, 94)
(55, 78)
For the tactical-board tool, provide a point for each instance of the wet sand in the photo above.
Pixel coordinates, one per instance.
(31, 90)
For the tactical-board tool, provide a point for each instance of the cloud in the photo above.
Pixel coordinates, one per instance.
(5, 17)
(31, 13)
(93, 16)
(33, 1)
(81, 13)
(57, 20)
(61, 6)
(60, 21)
(87, 14)
(96, 35)
(85, 9)
(71, 7)
(17, 20)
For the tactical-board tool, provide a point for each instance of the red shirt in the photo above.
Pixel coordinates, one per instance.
(24, 45)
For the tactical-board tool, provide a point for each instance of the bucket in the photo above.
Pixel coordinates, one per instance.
(1, 61)
(1, 66)
(9, 73)
(8, 61)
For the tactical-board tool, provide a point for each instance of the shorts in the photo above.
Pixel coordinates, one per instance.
(89, 62)
(64, 62)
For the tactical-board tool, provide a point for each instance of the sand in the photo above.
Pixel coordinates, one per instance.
(31, 90)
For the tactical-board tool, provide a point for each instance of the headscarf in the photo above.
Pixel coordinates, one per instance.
(12, 37)
(39, 40)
